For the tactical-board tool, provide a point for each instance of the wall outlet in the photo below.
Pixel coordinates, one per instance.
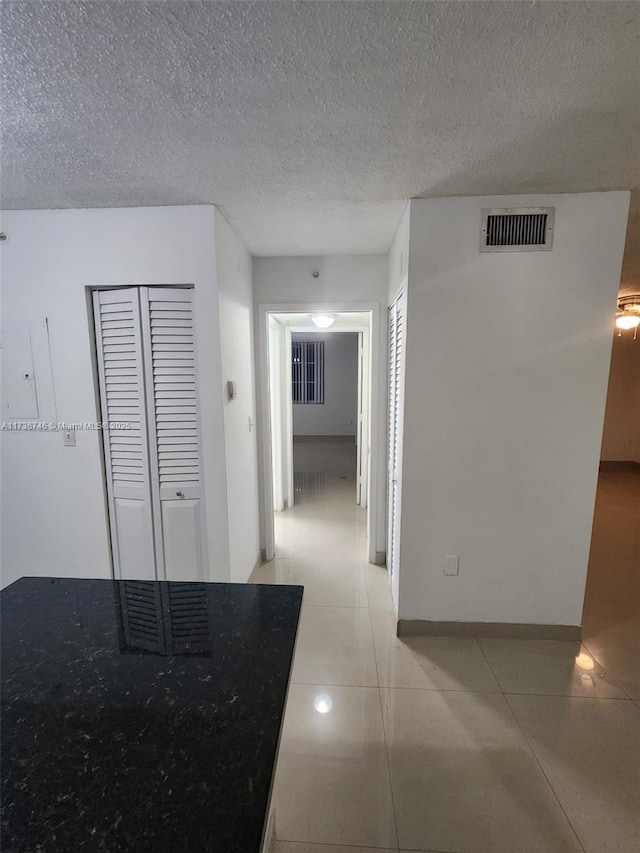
(451, 564)
(69, 438)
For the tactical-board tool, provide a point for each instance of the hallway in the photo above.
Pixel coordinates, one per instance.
(436, 744)
(611, 616)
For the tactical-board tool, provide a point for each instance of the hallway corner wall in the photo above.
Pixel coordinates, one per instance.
(235, 290)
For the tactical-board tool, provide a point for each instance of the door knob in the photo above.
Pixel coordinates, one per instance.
(179, 494)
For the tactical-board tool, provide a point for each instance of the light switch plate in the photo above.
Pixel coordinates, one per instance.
(69, 438)
(451, 564)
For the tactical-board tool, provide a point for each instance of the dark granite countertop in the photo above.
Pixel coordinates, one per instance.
(141, 716)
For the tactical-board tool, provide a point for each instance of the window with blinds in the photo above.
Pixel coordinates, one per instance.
(307, 371)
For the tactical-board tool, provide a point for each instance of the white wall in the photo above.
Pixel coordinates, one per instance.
(344, 279)
(234, 269)
(53, 512)
(399, 256)
(338, 415)
(507, 365)
(621, 437)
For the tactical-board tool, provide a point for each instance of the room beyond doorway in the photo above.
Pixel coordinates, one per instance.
(324, 467)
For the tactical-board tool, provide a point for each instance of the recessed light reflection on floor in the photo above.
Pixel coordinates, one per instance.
(323, 703)
(585, 661)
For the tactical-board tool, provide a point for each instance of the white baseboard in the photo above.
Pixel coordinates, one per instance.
(498, 630)
(258, 563)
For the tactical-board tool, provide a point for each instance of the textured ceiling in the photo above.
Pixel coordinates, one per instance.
(309, 123)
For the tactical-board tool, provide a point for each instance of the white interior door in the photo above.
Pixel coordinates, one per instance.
(170, 372)
(397, 322)
(156, 392)
(121, 377)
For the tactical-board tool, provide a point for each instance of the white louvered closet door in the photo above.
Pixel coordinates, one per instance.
(121, 375)
(174, 442)
(397, 323)
(146, 354)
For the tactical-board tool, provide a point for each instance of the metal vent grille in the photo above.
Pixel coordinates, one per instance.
(528, 229)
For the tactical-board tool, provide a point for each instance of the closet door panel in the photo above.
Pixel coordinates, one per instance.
(182, 536)
(122, 395)
(172, 408)
(135, 541)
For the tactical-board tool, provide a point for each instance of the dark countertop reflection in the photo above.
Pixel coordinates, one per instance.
(141, 715)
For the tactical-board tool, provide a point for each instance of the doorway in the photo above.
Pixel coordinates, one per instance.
(611, 612)
(327, 418)
(290, 445)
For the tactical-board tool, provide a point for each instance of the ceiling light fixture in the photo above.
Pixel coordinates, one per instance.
(628, 314)
(323, 321)
(628, 321)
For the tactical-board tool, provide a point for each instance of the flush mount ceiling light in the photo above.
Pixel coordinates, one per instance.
(323, 321)
(628, 314)
(628, 321)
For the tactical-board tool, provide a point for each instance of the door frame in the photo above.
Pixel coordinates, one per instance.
(363, 424)
(376, 487)
(394, 477)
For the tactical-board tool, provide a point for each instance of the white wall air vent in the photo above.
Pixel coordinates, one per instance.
(517, 229)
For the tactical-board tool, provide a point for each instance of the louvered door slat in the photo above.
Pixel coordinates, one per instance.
(161, 349)
(169, 335)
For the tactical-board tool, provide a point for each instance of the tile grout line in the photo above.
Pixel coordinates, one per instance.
(531, 750)
(348, 846)
(359, 846)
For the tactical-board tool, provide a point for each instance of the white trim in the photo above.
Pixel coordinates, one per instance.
(398, 293)
(258, 563)
(288, 414)
(106, 450)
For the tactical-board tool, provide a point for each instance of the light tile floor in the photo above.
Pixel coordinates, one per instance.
(432, 744)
